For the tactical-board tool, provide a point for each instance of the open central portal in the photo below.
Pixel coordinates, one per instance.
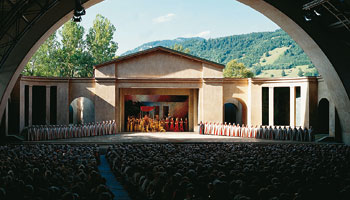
(156, 113)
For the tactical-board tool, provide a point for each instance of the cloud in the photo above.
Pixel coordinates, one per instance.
(164, 18)
(203, 34)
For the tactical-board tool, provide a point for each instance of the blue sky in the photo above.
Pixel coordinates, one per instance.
(141, 21)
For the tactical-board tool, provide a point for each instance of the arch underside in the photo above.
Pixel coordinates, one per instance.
(25, 25)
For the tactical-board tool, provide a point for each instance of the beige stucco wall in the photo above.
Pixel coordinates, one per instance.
(82, 88)
(159, 65)
(105, 100)
(237, 90)
(255, 105)
(211, 101)
(107, 71)
(210, 71)
(323, 93)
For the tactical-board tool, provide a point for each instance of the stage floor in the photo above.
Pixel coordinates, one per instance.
(168, 137)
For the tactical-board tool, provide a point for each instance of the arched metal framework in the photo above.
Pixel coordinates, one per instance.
(320, 27)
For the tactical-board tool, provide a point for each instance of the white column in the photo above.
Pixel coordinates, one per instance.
(48, 105)
(271, 106)
(304, 90)
(191, 123)
(195, 108)
(30, 105)
(7, 119)
(292, 106)
(249, 107)
(21, 107)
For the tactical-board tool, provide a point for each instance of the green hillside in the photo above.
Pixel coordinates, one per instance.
(266, 53)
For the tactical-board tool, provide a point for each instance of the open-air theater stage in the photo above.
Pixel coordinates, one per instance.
(159, 137)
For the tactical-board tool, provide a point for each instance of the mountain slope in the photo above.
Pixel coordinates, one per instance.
(262, 51)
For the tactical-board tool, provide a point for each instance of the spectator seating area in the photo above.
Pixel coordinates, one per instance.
(54, 172)
(232, 171)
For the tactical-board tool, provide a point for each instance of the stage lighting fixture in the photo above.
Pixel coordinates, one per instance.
(307, 18)
(317, 13)
(76, 19)
(78, 11)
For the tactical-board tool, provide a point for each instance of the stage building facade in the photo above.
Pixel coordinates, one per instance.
(173, 84)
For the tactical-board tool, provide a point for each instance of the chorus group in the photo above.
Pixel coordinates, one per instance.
(52, 132)
(147, 124)
(260, 132)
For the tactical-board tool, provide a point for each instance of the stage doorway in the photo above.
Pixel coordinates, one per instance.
(156, 113)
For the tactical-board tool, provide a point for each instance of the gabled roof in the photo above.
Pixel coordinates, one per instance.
(161, 49)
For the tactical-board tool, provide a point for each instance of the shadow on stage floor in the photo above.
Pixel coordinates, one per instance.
(161, 137)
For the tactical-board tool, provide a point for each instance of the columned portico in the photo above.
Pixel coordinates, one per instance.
(172, 83)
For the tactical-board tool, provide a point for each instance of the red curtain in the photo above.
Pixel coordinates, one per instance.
(146, 108)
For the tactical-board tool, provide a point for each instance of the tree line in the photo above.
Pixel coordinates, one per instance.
(70, 52)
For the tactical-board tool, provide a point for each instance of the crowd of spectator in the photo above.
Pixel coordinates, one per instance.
(54, 172)
(232, 171)
(259, 132)
(52, 132)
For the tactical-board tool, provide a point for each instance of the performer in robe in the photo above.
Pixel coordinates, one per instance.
(172, 124)
(128, 125)
(210, 132)
(229, 127)
(161, 126)
(225, 129)
(201, 128)
(289, 133)
(216, 128)
(284, 133)
(311, 134)
(176, 128)
(270, 133)
(300, 134)
(219, 129)
(232, 129)
(305, 134)
(167, 124)
(186, 125)
(142, 125)
(181, 125)
(243, 131)
(279, 133)
(294, 133)
(238, 131)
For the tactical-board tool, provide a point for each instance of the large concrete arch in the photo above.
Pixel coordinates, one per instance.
(328, 49)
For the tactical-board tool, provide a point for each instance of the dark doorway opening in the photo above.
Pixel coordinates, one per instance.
(53, 105)
(281, 105)
(323, 116)
(230, 111)
(265, 106)
(39, 105)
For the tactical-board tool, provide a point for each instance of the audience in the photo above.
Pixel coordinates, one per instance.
(55, 172)
(232, 171)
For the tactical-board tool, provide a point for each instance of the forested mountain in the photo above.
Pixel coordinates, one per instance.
(258, 51)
